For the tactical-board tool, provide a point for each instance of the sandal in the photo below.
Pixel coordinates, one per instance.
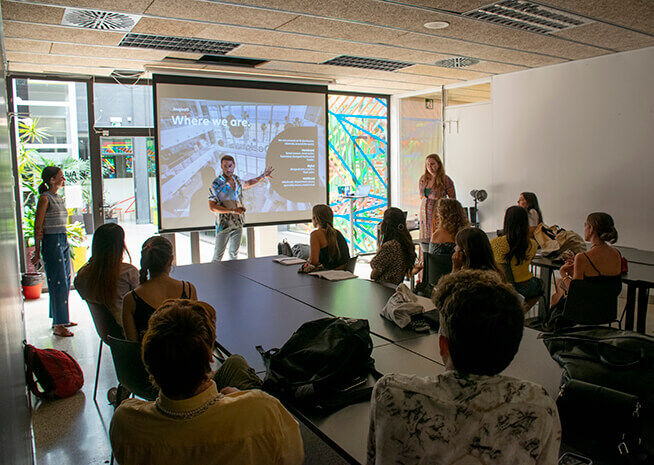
(61, 331)
(68, 325)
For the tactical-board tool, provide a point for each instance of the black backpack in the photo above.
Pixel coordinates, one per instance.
(324, 365)
(606, 403)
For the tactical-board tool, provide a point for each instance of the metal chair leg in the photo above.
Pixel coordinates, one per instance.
(97, 371)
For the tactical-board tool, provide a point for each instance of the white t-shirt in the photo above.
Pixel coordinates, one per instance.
(533, 218)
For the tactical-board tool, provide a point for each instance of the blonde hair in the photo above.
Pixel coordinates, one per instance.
(451, 216)
(324, 218)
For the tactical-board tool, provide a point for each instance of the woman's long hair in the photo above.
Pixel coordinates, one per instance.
(393, 227)
(48, 173)
(107, 249)
(440, 174)
(532, 202)
(451, 216)
(156, 254)
(603, 225)
(516, 228)
(324, 217)
(477, 251)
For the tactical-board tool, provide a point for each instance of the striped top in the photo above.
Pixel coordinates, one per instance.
(56, 216)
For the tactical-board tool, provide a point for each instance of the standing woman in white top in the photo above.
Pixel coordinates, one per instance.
(529, 202)
(51, 245)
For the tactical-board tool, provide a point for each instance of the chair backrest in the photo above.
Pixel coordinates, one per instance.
(105, 323)
(593, 301)
(436, 266)
(351, 263)
(130, 371)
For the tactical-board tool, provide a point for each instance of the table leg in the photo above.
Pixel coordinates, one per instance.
(641, 316)
(351, 227)
(630, 307)
(546, 276)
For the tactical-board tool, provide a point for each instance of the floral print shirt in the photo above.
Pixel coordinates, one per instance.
(462, 419)
(222, 193)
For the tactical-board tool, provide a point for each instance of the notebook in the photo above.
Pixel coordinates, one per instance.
(289, 261)
(333, 275)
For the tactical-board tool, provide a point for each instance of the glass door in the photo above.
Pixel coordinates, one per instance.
(129, 188)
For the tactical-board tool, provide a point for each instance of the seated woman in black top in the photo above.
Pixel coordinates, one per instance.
(156, 286)
(328, 246)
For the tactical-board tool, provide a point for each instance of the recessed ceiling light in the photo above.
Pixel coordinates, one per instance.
(437, 25)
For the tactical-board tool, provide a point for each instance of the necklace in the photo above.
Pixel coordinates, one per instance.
(187, 415)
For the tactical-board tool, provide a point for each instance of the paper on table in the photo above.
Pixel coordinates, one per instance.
(334, 275)
(289, 261)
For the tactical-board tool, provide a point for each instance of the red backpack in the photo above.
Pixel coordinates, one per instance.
(56, 373)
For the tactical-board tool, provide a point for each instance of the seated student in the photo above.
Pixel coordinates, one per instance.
(196, 419)
(105, 279)
(600, 262)
(516, 248)
(473, 252)
(396, 254)
(328, 246)
(450, 218)
(470, 414)
(529, 202)
(156, 286)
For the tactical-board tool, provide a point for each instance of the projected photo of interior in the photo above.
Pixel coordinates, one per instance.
(259, 128)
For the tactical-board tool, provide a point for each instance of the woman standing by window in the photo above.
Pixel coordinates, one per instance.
(433, 185)
(51, 245)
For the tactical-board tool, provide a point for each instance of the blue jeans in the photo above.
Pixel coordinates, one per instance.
(56, 261)
(230, 235)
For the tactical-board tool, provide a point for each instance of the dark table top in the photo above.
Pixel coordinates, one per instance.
(353, 298)
(264, 271)
(633, 255)
(638, 272)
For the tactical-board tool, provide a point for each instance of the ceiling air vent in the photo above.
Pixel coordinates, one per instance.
(457, 62)
(527, 16)
(367, 63)
(101, 20)
(178, 44)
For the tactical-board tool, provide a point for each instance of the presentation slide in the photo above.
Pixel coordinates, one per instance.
(260, 128)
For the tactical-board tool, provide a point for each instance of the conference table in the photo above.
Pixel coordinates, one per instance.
(260, 302)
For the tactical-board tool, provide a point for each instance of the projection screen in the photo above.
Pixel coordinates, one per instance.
(260, 124)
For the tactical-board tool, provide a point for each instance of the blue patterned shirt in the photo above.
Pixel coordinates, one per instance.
(222, 193)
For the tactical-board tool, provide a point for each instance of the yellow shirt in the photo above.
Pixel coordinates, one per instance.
(243, 428)
(521, 273)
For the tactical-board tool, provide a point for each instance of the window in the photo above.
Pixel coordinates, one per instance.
(123, 105)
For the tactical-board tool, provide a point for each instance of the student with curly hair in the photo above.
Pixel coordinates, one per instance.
(450, 219)
(156, 286)
(470, 413)
(396, 254)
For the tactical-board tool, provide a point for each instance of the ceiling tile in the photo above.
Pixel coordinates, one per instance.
(438, 71)
(124, 6)
(279, 53)
(607, 35)
(31, 13)
(341, 29)
(108, 52)
(57, 69)
(459, 6)
(216, 12)
(22, 45)
(60, 33)
(636, 14)
(438, 44)
(19, 57)
(168, 27)
(495, 68)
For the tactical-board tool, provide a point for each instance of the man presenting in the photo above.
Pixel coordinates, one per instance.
(226, 202)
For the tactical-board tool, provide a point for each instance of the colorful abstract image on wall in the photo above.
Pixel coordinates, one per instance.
(358, 155)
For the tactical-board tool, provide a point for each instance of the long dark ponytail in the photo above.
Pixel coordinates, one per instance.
(516, 228)
(108, 248)
(156, 254)
(48, 173)
(325, 219)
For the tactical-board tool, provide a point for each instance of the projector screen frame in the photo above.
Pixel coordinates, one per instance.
(247, 84)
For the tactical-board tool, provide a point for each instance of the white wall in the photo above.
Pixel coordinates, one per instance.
(579, 134)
